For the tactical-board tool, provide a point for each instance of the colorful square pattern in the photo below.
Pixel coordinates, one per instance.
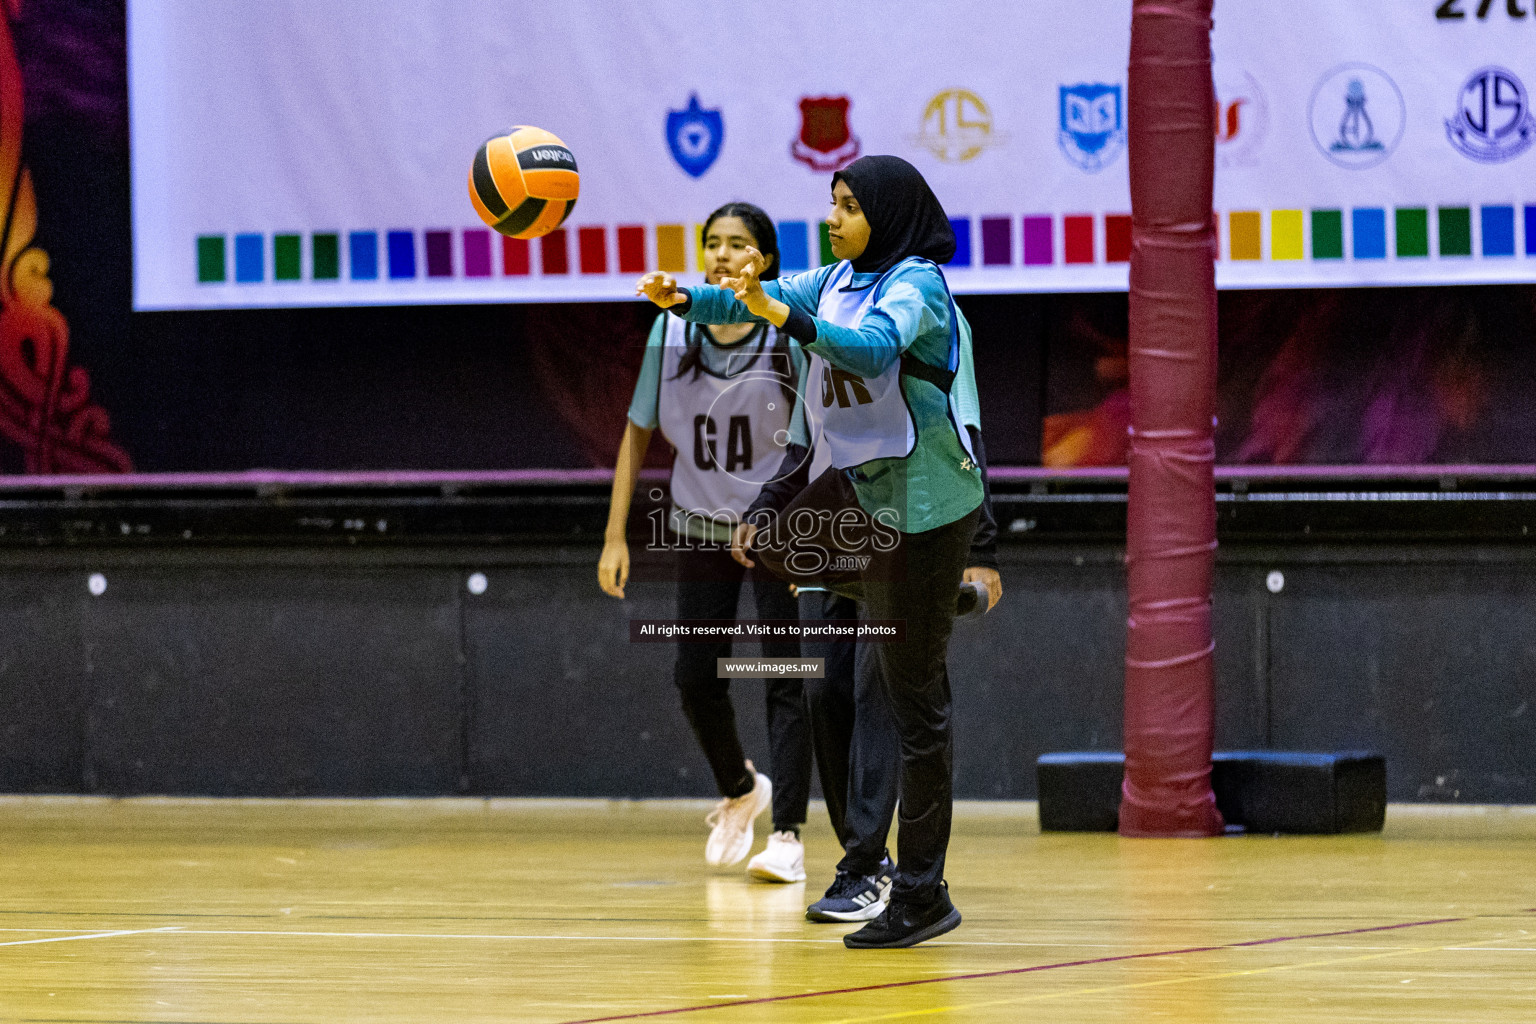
(962, 229)
(1039, 241)
(1327, 234)
(1034, 240)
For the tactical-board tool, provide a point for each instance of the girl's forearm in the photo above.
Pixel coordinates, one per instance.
(625, 474)
(709, 304)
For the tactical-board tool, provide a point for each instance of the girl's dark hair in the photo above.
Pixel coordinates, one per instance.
(761, 226)
(767, 238)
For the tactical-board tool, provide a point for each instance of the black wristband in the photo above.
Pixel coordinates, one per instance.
(800, 327)
(684, 306)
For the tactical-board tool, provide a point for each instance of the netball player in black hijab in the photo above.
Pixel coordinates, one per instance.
(905, 218)
(881, 329)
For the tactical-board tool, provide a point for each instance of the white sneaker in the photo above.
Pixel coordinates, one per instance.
(783, 860)
(730, 823)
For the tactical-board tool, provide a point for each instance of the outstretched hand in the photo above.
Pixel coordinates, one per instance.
(661, 288)
(748, 289)
(746, 285)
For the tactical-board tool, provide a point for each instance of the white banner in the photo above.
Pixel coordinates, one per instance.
(316, 152)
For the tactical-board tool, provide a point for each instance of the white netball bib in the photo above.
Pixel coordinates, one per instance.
(730, 430)
(854, 419)
(844, 434)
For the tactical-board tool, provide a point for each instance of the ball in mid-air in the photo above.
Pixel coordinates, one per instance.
(524, 182)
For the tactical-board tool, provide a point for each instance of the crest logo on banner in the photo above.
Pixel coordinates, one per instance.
(1493, 122)
(1092, 124)
(825, 142)
(1357, 115)
(957, 126)
(1242, 118)
(694, 135)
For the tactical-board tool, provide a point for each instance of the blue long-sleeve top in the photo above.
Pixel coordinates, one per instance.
(937, 482)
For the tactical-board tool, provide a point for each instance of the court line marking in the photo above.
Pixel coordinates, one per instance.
(71, 931)
(278, 932)
(1130, 986)
(40, 931)
(1018, 970)
(92, 935)
(972, 920)
(98, 1020)
(751, 940)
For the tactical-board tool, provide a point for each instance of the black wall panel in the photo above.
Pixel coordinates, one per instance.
(1042, 671)
(42, 682)
(262, 671)
(1432, 665)
(565, 705)
(274, 681)
(1242, 697)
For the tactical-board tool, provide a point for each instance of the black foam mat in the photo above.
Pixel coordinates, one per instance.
(1301, 792)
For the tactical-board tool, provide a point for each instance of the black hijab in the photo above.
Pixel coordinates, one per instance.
(905, 218)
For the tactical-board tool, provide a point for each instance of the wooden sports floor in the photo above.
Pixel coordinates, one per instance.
(273, 912)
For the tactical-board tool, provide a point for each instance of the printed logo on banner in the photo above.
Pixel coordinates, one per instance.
(1451, 10)
(1092, 124)
(694, 135)
(957, 126)
(1242, 118)
(1493, 122)
(1357, 115)
(826, 143)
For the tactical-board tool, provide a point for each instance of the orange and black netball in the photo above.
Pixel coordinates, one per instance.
(524, 182)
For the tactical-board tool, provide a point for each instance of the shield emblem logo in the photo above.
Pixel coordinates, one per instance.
(825, 142)
(694, 135)
(1092, 124)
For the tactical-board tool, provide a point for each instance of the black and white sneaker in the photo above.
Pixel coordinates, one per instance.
(853, 897)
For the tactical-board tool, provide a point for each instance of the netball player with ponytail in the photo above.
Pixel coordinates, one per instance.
(722, 395)
(881, 330)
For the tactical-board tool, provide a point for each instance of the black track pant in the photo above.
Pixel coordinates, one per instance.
(708, 585)
(857, 752)
(915, 583)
